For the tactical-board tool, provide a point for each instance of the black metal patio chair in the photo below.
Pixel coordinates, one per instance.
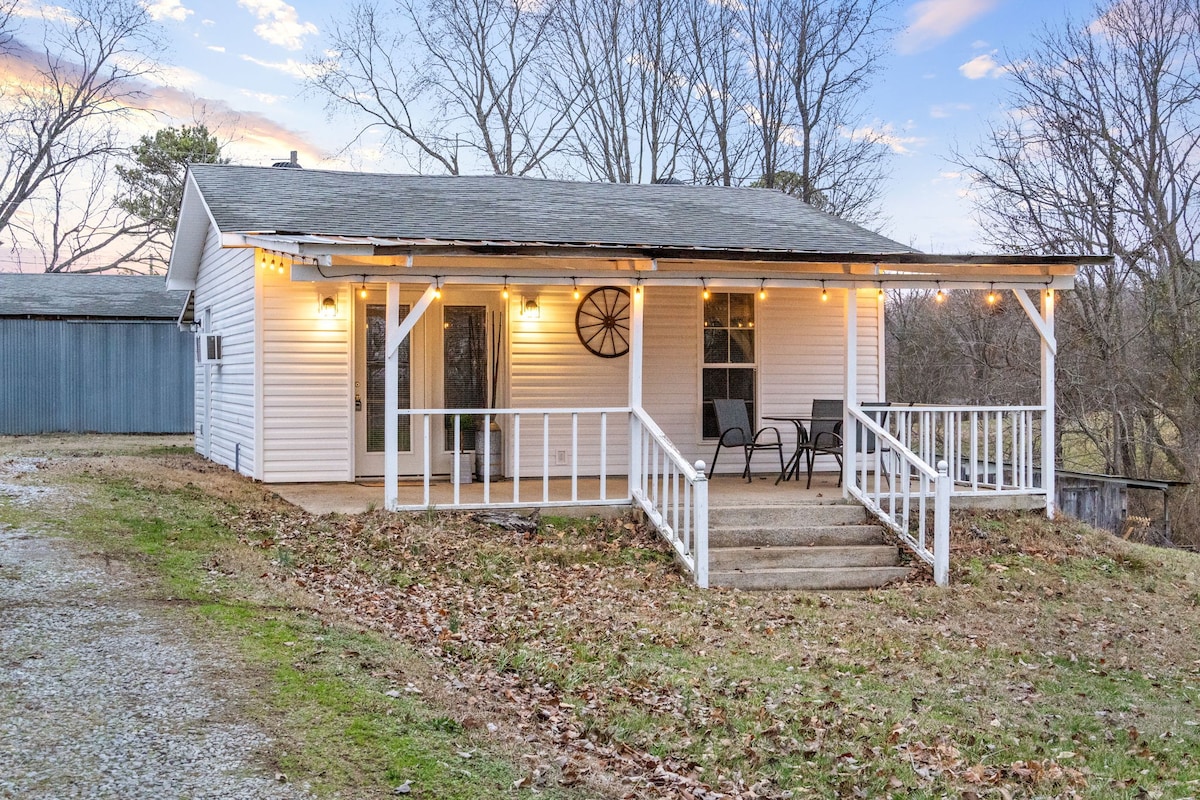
(825, 435)
(734, 423)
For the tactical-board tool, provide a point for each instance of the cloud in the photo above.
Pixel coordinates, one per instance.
(931, 21)
(886, 135)
(983, 66)
(263, 97)
(49, 13)
(944, 110)
(167, 9)
(280, 24)
(297, 69)
(216, 48)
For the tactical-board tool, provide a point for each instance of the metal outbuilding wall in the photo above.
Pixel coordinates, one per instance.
(99, 376)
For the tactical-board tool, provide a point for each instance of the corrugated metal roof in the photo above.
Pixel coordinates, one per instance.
(88, 296)
(523, 210)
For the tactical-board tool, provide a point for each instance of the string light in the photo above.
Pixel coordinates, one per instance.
(879, 294)
(762, 290)
(437, 288)
(575, 288)
(504, 292)
(362, 292)
(707, 294)
(940, 296)
(824, 293)
(991, 296)
(637, 289)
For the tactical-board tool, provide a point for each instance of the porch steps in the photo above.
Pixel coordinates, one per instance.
(799, 547)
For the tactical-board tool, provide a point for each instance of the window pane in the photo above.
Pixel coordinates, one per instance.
(716, 383)
(376, 375)
(710, 429)
(716, 311)
(464, 338)
(741, 346)
(716, 346)
(741, 385)
(741, 310)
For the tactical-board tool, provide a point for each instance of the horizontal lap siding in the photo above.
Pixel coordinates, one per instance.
(549, 367)
(671, 366)
(802, 356)
(307, 383)
(225, 284)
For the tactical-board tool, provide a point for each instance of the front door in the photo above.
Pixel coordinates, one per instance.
(369, 375)
(445, 362)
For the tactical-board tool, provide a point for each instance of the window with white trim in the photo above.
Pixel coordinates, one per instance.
(729, 355)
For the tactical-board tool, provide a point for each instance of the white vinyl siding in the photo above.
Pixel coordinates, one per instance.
(800, 352)
(225, 290)
(307, 382)
(549, 367)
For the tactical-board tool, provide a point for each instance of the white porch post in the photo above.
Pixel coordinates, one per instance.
(1044, 322)
(1048, 426)
(635, 387)
(391, 397)
(849, 446)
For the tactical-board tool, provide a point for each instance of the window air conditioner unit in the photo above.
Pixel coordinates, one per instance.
(209, 346)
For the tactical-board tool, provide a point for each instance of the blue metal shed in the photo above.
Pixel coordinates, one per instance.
(93, 353)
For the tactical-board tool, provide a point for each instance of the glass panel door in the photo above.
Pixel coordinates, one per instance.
(464, 368)
(370, 374)
(376, 356)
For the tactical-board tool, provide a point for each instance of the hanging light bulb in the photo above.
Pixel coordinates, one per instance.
(824, 293)
(706, 294)
(879, 294)
(362, 292)
(638, 288)
(504, 291)
(575, 289)
(991, 295)
(940, 296)
(762, 290)
(437, 288)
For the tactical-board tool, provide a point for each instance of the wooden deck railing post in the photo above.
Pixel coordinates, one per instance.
(700, 531)
(941, 526)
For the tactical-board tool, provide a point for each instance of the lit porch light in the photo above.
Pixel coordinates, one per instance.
(530, 308)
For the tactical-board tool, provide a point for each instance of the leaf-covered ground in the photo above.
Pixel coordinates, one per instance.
(1062, 663)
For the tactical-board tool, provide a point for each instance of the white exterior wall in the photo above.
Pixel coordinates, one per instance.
(225, 392)
(307, 382)
(801, 355)
(549, 367)
(800, 352)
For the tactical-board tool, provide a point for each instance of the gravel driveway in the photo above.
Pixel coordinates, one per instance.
(104, 695)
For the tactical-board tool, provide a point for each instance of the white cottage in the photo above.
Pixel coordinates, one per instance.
(573, 338)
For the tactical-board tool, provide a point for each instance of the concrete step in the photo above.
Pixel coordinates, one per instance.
(808, 579)
(814, 536)
(795, 516)
(749, 559)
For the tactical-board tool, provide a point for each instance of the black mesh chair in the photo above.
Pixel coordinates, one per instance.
(734, 423)
(825, 435)
(878, 412)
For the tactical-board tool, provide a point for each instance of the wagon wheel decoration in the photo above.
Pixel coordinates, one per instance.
(602, 321)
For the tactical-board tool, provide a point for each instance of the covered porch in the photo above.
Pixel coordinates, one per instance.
(904, 465)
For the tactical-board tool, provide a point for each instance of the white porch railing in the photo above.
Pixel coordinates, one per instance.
(672, 492)
(526, 490)
(989, 449)
(902, 490)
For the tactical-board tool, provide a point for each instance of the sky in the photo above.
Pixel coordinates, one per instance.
(239, 65)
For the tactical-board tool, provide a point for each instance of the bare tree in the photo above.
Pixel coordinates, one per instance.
(834, 49)
(1102, 155)
(80, 84)
(623, 64)
(765, 33)
(475, 63)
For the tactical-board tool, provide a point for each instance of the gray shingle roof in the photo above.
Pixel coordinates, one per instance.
(104, 296)
(527, 210)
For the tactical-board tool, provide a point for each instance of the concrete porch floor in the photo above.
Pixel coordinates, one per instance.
(724, 490)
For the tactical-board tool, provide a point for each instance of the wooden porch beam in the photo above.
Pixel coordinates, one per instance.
(1045, 329)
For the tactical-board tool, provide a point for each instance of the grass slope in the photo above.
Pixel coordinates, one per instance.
(475, 662)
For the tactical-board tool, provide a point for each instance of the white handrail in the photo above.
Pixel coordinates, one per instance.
(673, 493)
(902, 489)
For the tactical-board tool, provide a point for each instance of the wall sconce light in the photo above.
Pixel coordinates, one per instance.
(530, 308)
(327, 306)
